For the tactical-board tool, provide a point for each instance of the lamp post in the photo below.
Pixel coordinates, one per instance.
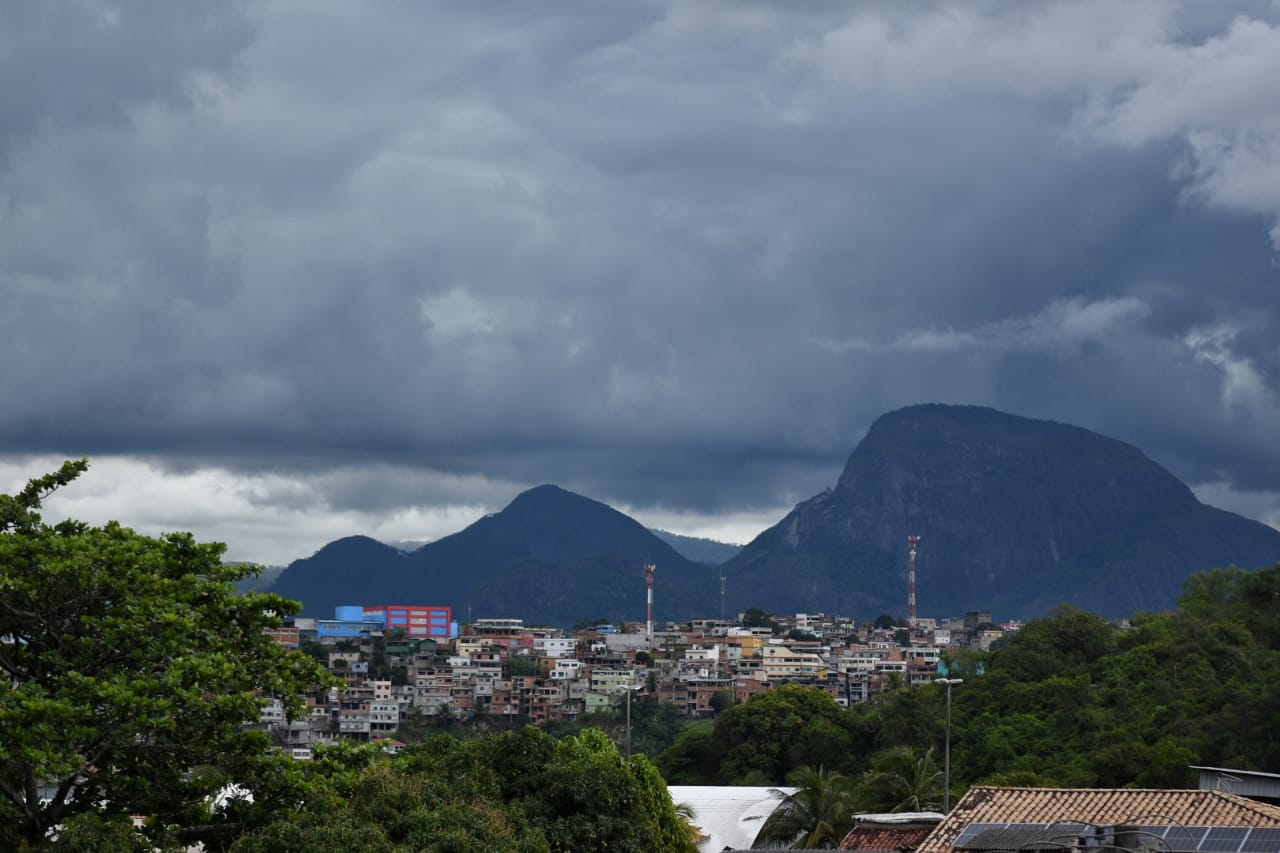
(946, 774)
(628, 688)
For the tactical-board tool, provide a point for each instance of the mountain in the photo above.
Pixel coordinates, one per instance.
(698, 549)
(550, 557)
(263, 580)
(1015, 516)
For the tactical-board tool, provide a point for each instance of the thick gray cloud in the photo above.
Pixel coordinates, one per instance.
(675, 256)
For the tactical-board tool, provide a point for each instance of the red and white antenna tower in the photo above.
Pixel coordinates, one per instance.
(648, 582)
(912, 542)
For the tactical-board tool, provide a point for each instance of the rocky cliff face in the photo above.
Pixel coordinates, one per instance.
(1015, 515)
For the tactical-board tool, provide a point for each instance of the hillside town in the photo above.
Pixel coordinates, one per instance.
(414, 664)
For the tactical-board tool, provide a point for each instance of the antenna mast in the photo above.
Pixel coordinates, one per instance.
(648, 582)
(722, 596)
(912, 542)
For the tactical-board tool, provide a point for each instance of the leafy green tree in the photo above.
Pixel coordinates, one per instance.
(760, 740)
(694, 759)
(654, 726)
(391, 809)
(754, 617)
(578, 791)
(527, 665)
(129, 669)
(514, 791)
(722, 699)
(817, 815)
(901, 780)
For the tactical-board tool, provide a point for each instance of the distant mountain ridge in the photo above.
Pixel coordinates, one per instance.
(1016, 516)
(549, 557)
(698, 549)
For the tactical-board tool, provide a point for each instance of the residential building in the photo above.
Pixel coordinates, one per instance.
(416, 621)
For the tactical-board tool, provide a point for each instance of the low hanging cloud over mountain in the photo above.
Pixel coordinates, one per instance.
(289, 271)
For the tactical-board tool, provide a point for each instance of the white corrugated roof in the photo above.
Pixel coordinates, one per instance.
(729, 815)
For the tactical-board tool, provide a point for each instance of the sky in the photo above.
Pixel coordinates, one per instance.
(291, 271)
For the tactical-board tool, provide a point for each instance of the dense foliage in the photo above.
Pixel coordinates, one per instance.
(128, 668)
(515, 791)
(1069, 700)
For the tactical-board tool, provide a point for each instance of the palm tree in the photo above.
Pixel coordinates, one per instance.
(900, 780)
(688, 815)
(818, 814)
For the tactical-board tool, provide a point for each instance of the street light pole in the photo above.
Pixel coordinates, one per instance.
(627, 688)
(946, 776)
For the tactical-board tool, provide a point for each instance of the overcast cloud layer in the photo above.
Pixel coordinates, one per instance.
(294, 270)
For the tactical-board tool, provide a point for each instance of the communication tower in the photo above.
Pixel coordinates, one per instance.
(912, 542)
(648, 582)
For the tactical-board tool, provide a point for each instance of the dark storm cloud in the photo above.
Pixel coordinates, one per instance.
(664, 254)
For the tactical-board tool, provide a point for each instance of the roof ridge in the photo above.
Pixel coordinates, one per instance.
(1015, 804)
(1264, 809)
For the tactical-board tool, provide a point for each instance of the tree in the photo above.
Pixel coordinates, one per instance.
(760, 741)
(578, 792)
(723, 699)
(129, 669)
(526, 665)
(817, 815)
(392, 808)
(754, 617)
(901, 780)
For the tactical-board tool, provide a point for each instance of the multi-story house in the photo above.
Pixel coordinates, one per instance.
(783, 662)
(415, 621)
(555, 647)
(693, 696)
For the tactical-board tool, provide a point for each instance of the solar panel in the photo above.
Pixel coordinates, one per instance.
(1185, 839)
(1015, 837)
(973, 829)
(1262, 839)
(1177, 838)
(1224, 839)
(1151, 833)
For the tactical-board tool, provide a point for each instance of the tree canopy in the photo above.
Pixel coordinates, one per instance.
(130, 668)
(517, 791)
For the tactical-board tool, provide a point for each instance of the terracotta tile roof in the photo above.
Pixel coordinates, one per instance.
(884, 838)
(991, 804)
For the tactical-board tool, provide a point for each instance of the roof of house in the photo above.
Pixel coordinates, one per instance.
(988, 804)
(884, 838)
(890, 832)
